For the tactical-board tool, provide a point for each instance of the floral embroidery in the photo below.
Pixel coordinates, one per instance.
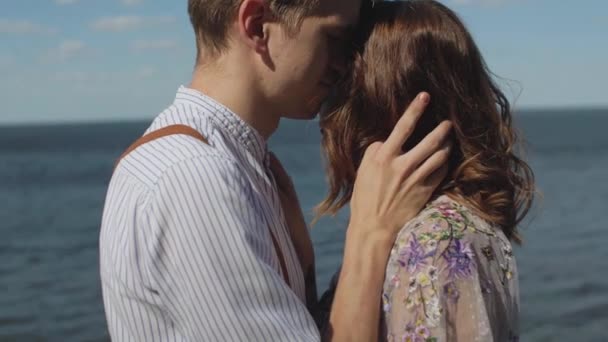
(433, 273)
(414, 257)
(386, 304)
(433, 311)
(506, 266)
(449, 211)
(507, 250)
(417, 333)
(437, 256)
(413, 286)
(460, 259)
(395, 280)
(506, 271)
(412, 302)
(488, 253)
(451, 291)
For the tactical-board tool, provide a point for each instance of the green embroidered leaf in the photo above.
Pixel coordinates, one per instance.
(424, 237)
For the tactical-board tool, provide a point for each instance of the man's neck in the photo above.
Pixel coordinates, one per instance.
(238, 92)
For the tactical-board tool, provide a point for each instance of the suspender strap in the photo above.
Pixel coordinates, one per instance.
(279, 252)
(187, 130)
(163, 132)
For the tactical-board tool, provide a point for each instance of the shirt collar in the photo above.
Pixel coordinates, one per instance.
(253, 141)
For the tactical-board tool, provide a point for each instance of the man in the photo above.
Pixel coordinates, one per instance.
(194, 244)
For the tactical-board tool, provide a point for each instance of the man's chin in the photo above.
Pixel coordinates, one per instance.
(309, 113)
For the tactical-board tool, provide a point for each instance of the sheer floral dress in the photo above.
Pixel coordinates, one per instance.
(451, 277)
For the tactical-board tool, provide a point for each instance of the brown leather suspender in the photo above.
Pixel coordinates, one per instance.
(187, 130)
(163, 132)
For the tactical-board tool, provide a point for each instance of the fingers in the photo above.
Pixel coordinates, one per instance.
(434, 169)
(433, 181)
(432, 143)
(405, 126)
(371, 150)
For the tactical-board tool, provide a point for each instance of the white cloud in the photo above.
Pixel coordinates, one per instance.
(64, 52)
(160, 44)
(127, 23)
(23, 27)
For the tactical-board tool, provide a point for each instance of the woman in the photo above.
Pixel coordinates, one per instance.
(451, 275)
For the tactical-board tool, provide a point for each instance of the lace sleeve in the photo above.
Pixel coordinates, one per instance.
(433, 291)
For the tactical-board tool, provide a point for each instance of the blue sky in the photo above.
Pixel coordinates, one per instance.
(94, 60)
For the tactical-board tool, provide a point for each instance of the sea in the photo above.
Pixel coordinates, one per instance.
(53, 180)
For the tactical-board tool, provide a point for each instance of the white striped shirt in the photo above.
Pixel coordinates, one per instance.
(185, 248)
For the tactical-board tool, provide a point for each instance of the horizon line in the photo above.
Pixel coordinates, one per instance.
(133, 120)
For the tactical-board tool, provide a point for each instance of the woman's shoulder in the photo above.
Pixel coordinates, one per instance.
(450, 230)
(452, 236)
(447, 219)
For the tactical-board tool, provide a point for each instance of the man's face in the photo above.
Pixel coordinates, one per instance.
(308, 63)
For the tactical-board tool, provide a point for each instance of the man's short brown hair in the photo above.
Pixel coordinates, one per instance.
(212, 18)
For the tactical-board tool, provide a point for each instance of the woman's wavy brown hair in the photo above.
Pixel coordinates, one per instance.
(421, 45)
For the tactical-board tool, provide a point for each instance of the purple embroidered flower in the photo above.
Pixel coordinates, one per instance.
(410, 332)
(460, 260)
(419, 333)
(423, 332)
(414, 257)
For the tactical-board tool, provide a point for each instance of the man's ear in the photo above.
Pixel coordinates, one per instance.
(252, 17)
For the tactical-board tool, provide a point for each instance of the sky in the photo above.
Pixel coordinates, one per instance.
(107, 60)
